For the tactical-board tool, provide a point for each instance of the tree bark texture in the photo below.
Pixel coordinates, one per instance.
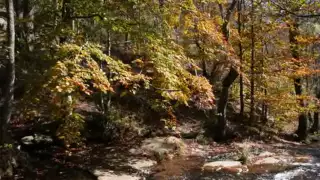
(227, 81)
(252, 66)
(303, 120)
(315, 126)
(240, 57)
(8, 100)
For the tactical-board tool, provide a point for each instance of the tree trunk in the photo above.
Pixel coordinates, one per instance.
(309, 114)
(252, 71)
(241, 58)
(6, 160)
(204, 68)
(109, 73)
(303, 120)
(8, 101)
(222, 105)
(264, 113)
(316, 123)
(66, 18)
(28, 13)
(226, 83)
(315, 126)
(265, 109)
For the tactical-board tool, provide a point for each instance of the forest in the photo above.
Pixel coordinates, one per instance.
(159, 89)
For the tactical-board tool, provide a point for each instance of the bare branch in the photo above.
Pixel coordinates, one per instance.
(295, 14)
(221, 11)
(226, 17)
(230, 9)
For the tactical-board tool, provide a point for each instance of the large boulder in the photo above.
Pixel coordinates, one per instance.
(110, 175)
(268, 160)
(226, 166)
(142, 165)
(276, 159)
(266, 154)
(33, 143)
(139, 167)
(36, 139)
(161, 147)
(190, 130)
(27, 140)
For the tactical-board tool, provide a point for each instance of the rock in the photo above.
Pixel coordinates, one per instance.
(268, 160)
(142, 165)
(235, 170)
(198, 152)
(161, 147)
(36, 139)
(169, 156)
(218, 165)
(27, 140)
(171, 132)
(190, 130)
(110, 175)
(266, 154)
(134, 151)
(302, 159)
(40, 138)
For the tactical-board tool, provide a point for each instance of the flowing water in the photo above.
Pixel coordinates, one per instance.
(301, 172)
(307, 171)
(294, 171)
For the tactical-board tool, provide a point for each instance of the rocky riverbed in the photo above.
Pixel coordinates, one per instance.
(177, 159)
(166, 158)
(263, 161)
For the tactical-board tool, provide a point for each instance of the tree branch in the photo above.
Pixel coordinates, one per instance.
(295, 14)
(221, 11)
(227, 17)
(230, 9)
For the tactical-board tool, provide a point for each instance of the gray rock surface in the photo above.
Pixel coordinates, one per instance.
(266, 154)
(142, 165)
(268, 160)
(110, 175)
(217, 165)
(36, 139)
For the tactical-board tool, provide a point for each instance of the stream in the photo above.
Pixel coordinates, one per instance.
(303, 171)
(293, 171)
(120, 164)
